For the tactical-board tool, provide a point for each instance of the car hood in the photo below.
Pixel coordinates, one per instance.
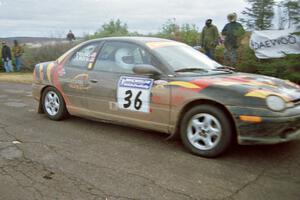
(251, 85)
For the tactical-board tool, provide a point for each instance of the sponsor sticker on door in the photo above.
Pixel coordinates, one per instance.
(134, 93)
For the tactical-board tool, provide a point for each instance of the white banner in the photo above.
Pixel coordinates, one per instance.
(274, 43)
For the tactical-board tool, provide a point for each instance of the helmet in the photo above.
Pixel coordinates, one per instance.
(232, 17)
(124, 58)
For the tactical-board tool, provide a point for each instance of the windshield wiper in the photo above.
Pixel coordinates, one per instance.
(191, 70)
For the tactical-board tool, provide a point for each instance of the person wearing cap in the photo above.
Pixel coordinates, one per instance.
(209, 38)
(6, 57)
(233, 33)
(17, 52)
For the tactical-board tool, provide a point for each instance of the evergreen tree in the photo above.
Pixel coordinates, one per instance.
(259, 15)
(292, 12)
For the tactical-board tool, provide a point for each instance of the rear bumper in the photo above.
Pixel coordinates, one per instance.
(36, 91)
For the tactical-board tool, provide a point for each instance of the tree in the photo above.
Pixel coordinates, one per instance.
(292, 12)
(170, 30)
(281, 17)
(259, 15)
(187, 33)
(112, 28)
(288, 13)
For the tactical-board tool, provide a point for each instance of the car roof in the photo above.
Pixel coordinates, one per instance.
(135, 39)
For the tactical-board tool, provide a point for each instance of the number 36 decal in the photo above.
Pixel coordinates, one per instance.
(134, 93)
(137, 102)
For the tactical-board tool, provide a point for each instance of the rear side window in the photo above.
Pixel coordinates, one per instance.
(84, 56)
(121, 57)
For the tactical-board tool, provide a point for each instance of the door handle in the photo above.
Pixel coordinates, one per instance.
(93, 80)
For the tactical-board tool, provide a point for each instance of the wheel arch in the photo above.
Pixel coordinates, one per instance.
(40, 107)
(193, 103)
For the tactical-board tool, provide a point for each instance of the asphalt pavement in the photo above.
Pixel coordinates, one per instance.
(82, 159)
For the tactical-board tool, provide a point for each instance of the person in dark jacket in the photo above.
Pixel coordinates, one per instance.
(233, 32)
(70, 36)
(209, 38)
(6, 57)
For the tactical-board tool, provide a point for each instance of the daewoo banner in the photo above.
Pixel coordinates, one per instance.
(274, 43)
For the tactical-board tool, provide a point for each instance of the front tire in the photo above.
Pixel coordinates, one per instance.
(53, 104)
(205, 130)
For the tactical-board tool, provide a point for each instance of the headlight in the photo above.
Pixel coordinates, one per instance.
(275, 103)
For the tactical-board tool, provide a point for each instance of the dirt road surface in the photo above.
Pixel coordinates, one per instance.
(82, 159)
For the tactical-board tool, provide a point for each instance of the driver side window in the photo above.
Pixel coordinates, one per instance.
(121, 57)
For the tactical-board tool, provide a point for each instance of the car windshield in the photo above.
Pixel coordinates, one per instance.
(181, 57)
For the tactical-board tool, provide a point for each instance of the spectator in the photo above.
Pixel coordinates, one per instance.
(233, 32)
(17, 52)
(6, 57)
(70, 36)
(209, 38)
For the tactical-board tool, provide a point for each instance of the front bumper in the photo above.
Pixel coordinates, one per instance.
(275, 128)
(269, 139)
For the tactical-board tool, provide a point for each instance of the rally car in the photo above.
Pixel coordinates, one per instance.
(170, 87)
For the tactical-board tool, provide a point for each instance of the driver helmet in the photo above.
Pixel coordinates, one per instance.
(124, 58)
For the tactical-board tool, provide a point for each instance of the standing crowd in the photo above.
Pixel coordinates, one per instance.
(231, 36)
(210, 38)
(8, 55)
(15, 54)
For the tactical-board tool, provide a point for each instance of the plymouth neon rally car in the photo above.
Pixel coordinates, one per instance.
(167, 86)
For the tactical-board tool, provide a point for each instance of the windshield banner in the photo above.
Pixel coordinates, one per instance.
(275, 43)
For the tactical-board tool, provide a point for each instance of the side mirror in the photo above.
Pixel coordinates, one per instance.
(146, 70)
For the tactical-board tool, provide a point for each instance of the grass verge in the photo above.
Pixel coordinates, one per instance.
(18, 77)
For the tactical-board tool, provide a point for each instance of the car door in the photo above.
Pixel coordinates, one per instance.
(119, 95)
(74, 79)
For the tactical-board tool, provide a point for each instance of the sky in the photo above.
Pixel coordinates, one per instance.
(53, 18)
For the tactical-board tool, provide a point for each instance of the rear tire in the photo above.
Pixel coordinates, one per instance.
(206, 131)
(53, 104)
